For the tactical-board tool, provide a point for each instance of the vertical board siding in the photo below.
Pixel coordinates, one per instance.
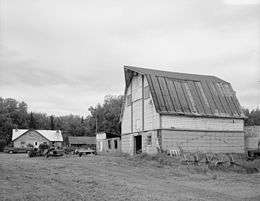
(221, 98)
(195, 95)
(151, 117)
(181, 96)
(203, 98)
(126, 117)
(127, 144)
(165, 94)
(216, 99)
(173, 95)
(158, 91)
(137, 116)
(209, 98)
(189, 97)
(152, 90)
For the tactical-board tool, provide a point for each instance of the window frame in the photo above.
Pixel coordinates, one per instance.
(115, 144)
(109, 144)
(149, 140)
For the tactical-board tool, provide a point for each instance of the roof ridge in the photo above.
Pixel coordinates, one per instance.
(169, 73)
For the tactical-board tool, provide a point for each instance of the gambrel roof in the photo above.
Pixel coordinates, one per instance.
(189, 94)
(51, 135)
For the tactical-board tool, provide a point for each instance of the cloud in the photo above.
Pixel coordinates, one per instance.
(63, 56)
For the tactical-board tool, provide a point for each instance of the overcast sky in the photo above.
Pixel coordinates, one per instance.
(61, 57)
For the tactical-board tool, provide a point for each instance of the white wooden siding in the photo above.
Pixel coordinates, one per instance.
(194, 141)
(151, 117)
(30, 138)
(198, 123)
(137, 116)
(137, 88)
(127, 144)
(126, 118)
(150, 149)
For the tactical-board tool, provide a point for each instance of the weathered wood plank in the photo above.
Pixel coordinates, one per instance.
(181, 97)
(173, 95)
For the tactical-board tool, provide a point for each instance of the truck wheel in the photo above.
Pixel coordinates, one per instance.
(251, 154)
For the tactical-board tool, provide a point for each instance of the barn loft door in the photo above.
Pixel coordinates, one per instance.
(138, 144)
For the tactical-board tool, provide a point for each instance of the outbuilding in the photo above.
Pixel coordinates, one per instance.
(167, 110)
(29, 137)
(108, 143)
(82, 141)
(252, 140)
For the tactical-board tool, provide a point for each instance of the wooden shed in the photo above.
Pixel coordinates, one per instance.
(167, 110)
(82, 141)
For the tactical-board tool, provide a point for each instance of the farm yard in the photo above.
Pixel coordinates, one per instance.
(118, 178)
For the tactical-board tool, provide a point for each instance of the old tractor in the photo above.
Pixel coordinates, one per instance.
(46, 151)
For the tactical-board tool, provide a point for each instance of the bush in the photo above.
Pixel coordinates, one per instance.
(3, 143)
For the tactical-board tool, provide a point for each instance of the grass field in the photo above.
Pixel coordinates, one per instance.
(117, 178)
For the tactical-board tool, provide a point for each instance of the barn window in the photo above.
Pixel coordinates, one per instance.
(128, 99)
(109, 144)
(35, 143)
(149, 140)
(115, 143)
(146, 92)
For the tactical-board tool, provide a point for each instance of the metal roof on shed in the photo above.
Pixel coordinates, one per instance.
(189, 94)
(82, 140)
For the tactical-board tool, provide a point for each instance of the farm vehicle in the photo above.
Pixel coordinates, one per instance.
(46, 151)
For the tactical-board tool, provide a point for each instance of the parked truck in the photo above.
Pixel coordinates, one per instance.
(46, 150)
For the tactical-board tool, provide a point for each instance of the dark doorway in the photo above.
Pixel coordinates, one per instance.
(138, 144)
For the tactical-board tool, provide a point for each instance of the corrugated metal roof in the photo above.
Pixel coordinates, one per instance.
(189, 94)
(51, 135)
(82, 140)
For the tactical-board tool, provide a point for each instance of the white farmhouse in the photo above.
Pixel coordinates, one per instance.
(24, 137)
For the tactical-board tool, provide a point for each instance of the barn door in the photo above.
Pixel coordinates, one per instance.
(138, 144)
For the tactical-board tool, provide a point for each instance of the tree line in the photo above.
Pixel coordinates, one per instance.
(103, 117)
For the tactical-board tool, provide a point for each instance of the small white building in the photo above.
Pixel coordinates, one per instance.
(252, 139)
(25, 137)
(108, 143)
(166, 110)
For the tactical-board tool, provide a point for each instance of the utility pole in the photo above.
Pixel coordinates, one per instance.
(96, 123)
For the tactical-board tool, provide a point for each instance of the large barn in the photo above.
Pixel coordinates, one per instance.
(166, 110)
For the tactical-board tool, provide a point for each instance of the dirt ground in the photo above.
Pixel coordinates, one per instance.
(116, 178)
